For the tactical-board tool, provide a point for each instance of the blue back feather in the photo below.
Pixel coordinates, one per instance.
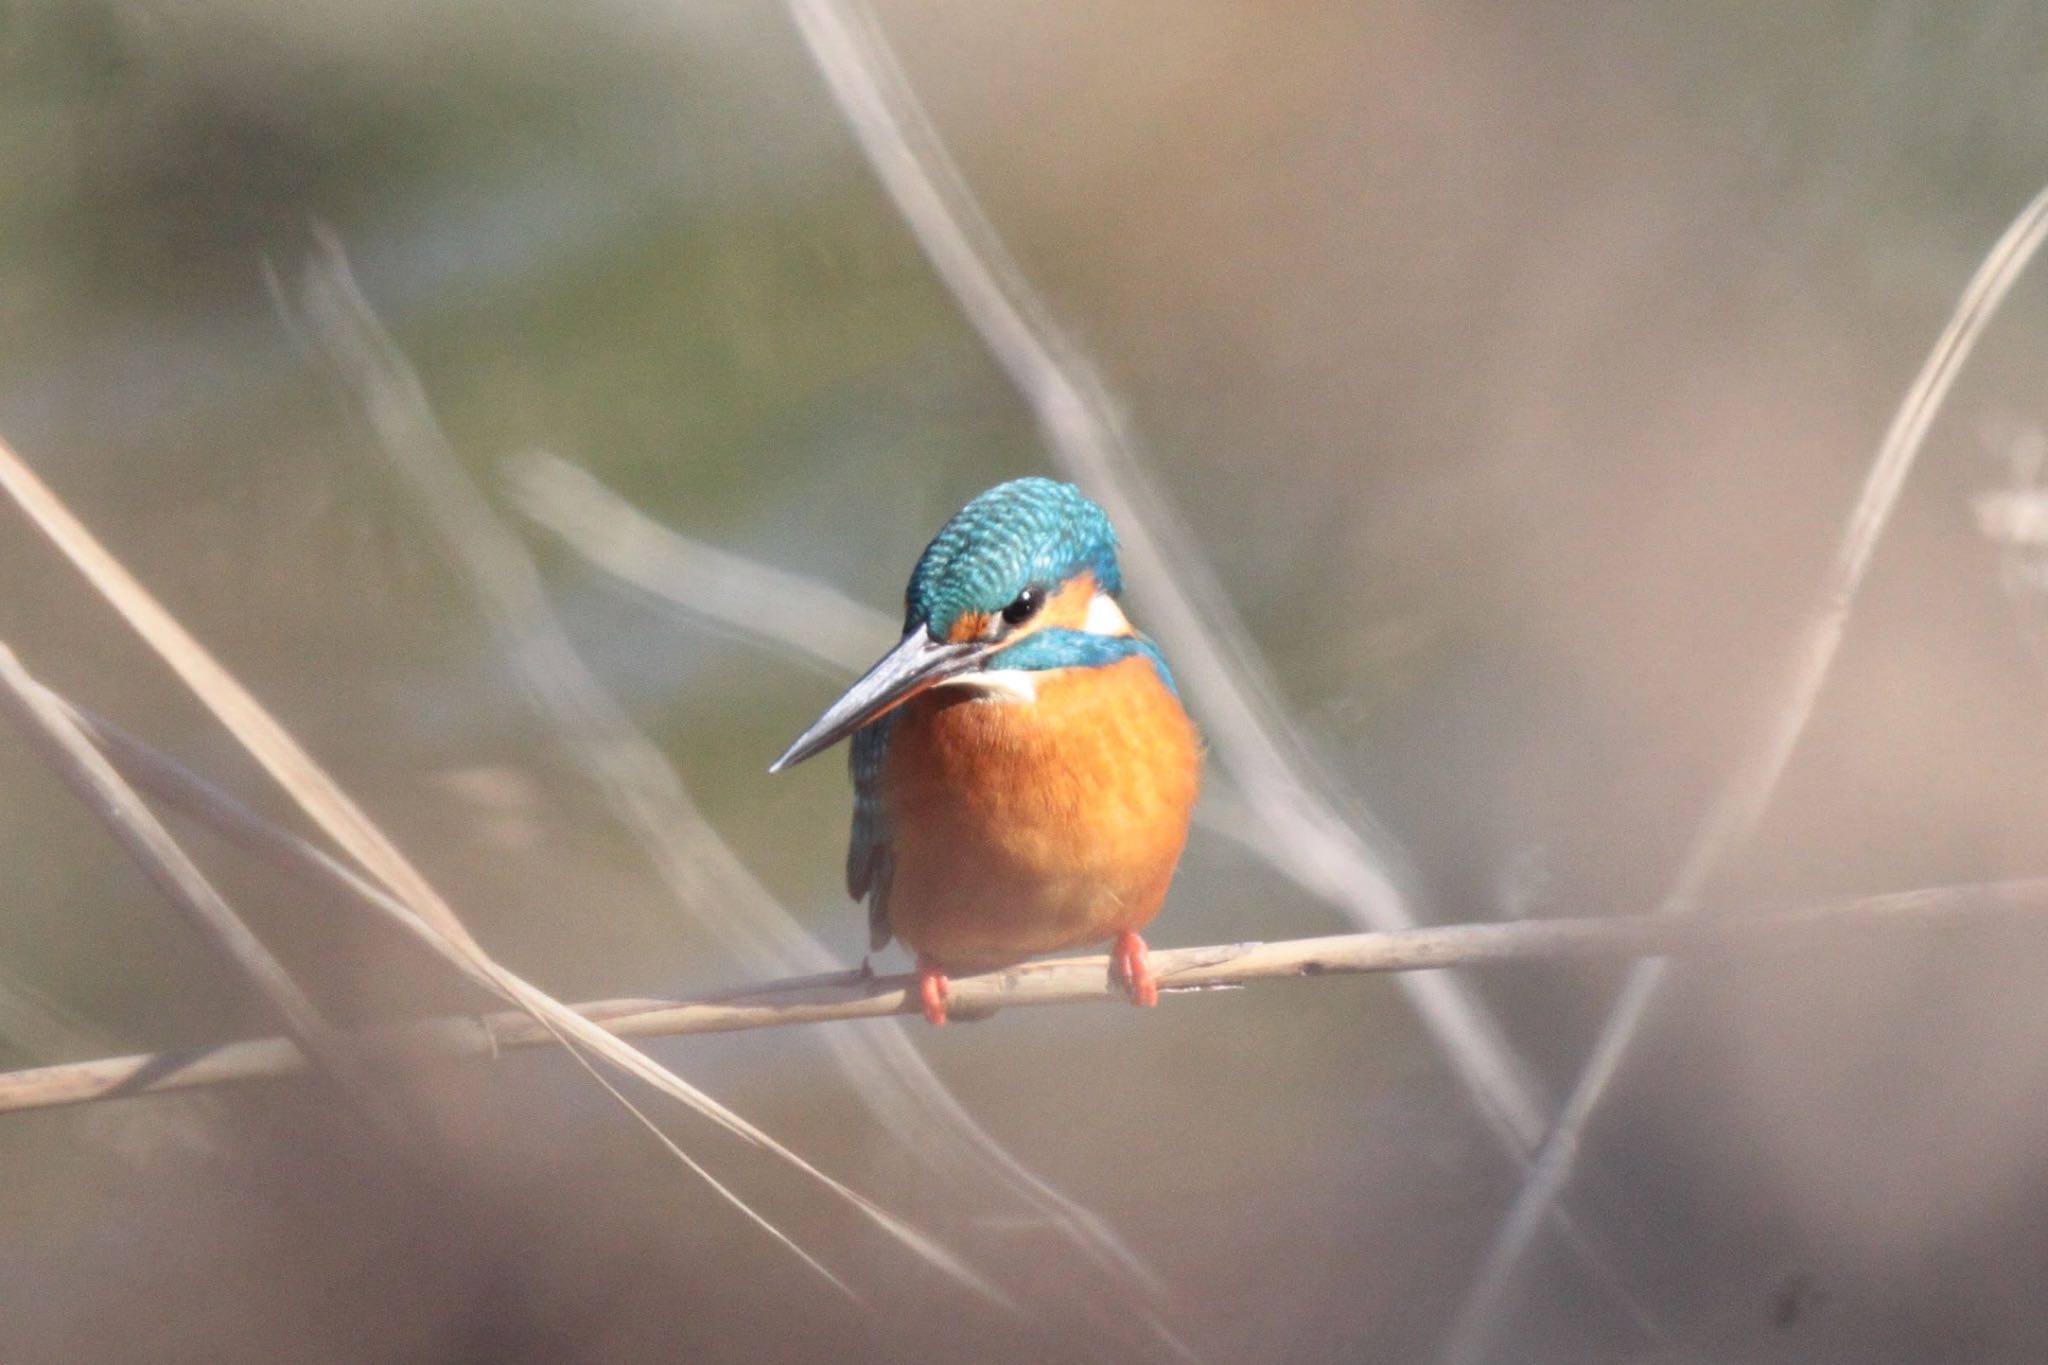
(870, 861)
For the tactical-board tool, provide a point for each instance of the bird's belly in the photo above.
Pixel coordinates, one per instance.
(1027, 827)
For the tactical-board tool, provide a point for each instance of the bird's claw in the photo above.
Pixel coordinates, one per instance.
(1129, 968)
(934, 992)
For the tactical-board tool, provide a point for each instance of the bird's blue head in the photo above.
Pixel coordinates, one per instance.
(1021, 578)
(1016, 544)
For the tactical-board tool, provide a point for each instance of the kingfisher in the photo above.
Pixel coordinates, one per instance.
(1023, 771)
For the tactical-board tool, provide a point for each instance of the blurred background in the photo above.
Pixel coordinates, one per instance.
(1513, 371)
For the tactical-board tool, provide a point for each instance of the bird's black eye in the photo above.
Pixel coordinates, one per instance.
(1025, 607)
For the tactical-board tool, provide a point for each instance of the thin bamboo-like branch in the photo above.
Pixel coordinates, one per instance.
(1742, 802)
(1085, 980)
(48, 724)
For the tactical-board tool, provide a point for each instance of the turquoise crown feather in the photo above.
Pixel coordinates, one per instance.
(1018, 534)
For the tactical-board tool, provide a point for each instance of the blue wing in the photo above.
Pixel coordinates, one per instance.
(870, 861)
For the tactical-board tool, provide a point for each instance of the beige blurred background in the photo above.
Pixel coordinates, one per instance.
(1513, 368)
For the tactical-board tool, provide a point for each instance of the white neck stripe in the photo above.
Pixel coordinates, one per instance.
(997, 684)
(1105, 617)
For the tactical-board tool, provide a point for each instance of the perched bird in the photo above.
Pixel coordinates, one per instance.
(1022, 769)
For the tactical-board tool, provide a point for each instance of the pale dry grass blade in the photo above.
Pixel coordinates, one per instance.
(811, 621)
(220, 811)
(228, 817)
(2014, 518)
(341, 819)
(46, 722)
(245, 718)
(1747, 794)
(883, 1069)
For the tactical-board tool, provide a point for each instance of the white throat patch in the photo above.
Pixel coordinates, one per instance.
(1105, 617)
(998, 684)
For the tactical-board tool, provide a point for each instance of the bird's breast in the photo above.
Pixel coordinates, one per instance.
(1025, 826)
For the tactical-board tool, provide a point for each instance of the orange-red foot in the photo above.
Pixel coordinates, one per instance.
(1129, 969)
(934, 992)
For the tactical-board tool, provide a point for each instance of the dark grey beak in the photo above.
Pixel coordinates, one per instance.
(916, 663)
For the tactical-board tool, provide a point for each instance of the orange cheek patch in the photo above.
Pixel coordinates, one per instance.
(972, 625)
(1067, 608)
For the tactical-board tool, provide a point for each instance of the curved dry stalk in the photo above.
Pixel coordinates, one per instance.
(812, 622)
(1743, 800)
(707, 879)
(1328, 852)
(1315, 835)
(1083, 980)
(426, 914)
(48, 724)
(2015, 519)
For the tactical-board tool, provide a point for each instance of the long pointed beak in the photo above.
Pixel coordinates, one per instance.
(913, 665)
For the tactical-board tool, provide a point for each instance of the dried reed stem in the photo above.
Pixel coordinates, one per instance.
(1747, 794)
(1082, 980)
(53, 730)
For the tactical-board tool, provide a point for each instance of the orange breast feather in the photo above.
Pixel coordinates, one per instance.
(1026, 827)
